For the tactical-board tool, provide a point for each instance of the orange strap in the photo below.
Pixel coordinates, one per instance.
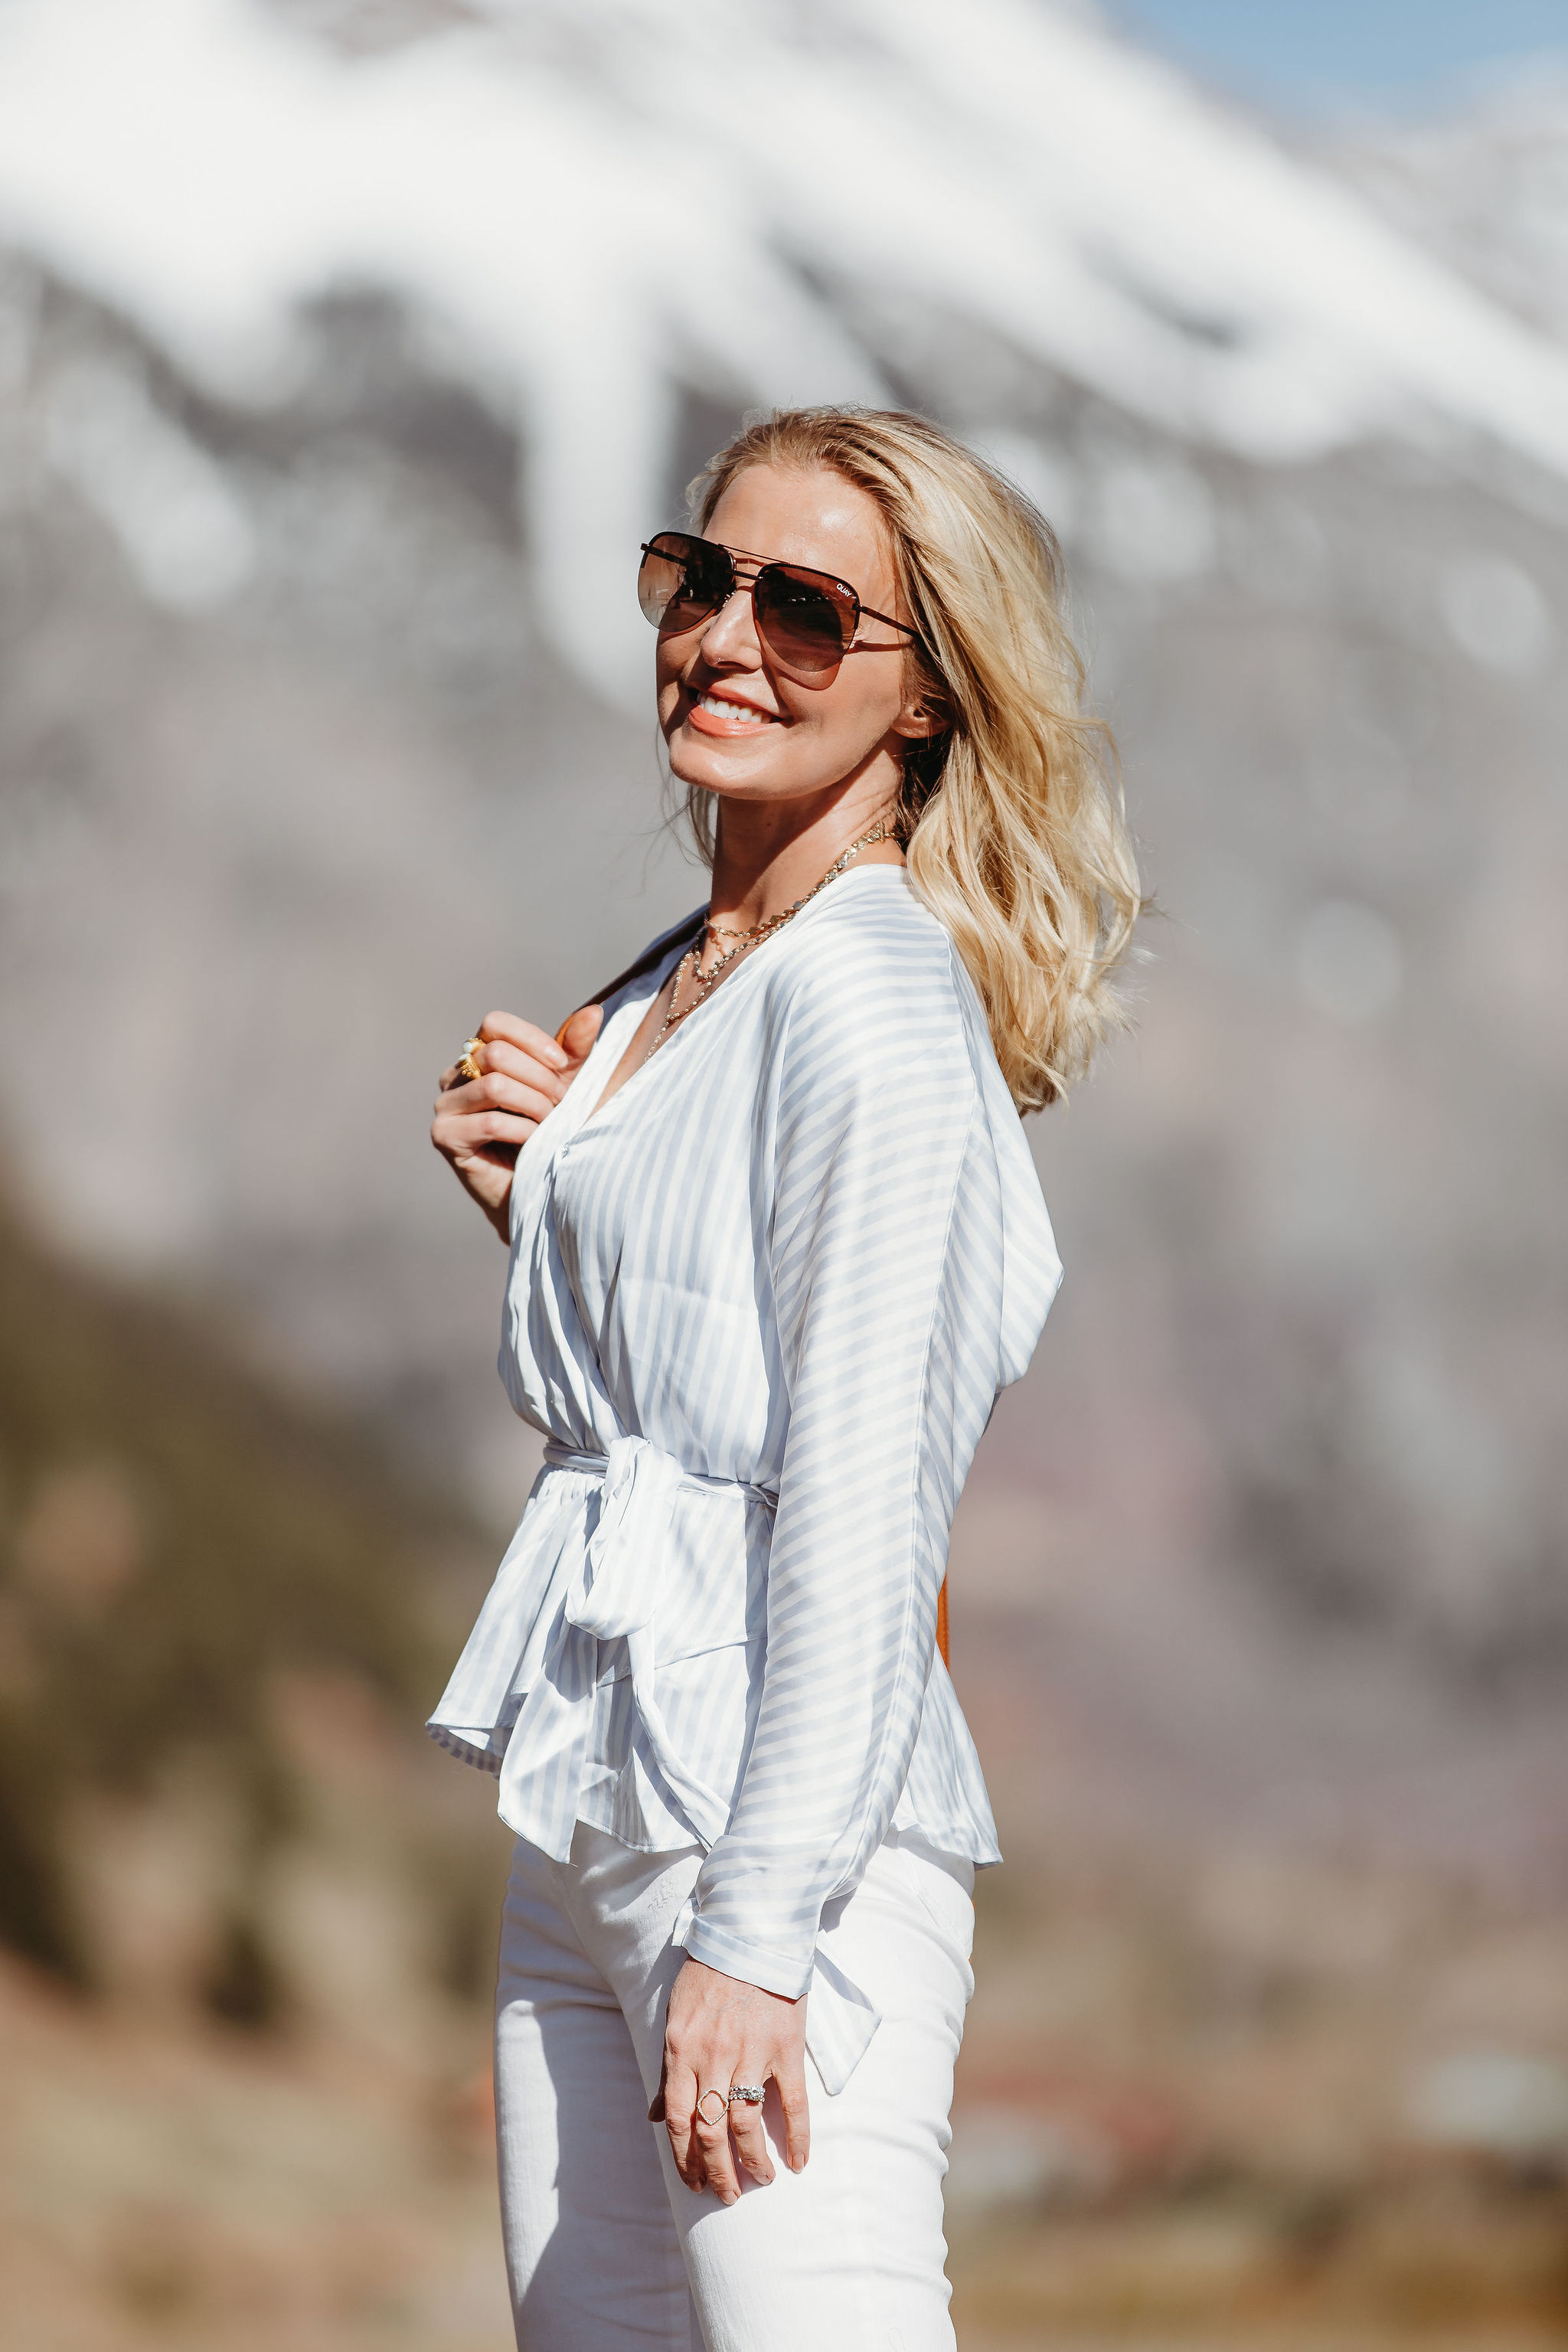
(942, 1623)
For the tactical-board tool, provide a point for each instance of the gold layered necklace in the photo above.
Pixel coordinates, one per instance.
(705, 982)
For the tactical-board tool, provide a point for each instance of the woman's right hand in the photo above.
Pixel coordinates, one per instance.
(481, 1124)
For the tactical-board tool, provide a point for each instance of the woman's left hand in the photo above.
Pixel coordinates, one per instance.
(719, 2032)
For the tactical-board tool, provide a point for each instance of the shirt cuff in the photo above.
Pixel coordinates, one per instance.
(756, 1964)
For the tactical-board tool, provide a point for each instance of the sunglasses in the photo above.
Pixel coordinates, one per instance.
(807, 620)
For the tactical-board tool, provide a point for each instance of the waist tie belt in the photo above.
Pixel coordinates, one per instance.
(621, 1481)
(612, 1594)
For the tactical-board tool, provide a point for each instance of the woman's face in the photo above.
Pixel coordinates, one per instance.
(734, 724)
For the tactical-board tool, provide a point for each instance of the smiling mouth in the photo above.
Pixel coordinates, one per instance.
(734, 714)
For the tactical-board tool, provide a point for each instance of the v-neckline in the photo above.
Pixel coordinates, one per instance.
(598, 1103)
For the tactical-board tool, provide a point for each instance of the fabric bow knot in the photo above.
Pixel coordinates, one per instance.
(615, 1590)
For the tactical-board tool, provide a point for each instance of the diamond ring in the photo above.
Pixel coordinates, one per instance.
(748, 2095)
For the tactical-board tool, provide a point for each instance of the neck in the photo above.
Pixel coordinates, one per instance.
(770, 853)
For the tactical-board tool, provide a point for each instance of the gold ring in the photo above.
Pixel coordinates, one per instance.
(468, 1067)
(723, 2107)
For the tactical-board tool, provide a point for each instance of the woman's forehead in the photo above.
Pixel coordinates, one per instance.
(805, 515)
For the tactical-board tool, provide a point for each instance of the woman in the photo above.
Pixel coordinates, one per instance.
(777, 1244)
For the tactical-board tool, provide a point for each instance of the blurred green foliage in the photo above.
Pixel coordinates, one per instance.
(173, 1533)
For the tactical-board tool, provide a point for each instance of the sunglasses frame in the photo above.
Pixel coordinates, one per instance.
(738, 558)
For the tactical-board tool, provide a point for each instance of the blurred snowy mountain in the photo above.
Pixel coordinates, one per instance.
(1485, 190)
(538, 181)
(348, 348)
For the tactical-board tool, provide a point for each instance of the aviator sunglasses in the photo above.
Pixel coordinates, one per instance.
(807, 620)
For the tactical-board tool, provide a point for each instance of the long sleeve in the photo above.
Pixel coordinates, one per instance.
(885, 1253)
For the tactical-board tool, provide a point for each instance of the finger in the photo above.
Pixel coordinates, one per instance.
(578, 1031)
(494, 1090)
(680, 2099)
(457, 1136)
(516, 1061)
(515, 1032)
(489, 1156)
(492, 1076)
(789, 2082)
(459, 1128)
(717, 2156)
(488, 1099)
(751, 2138)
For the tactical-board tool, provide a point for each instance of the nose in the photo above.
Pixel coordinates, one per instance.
(731, 641)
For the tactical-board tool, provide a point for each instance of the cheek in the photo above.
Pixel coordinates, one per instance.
(858, 708)
(668, 666)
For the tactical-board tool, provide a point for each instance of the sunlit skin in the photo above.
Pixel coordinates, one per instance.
(799, 772)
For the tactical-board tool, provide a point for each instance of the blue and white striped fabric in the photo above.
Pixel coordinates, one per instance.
(762, 1305)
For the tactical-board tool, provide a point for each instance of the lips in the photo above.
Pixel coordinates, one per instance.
(723, 714)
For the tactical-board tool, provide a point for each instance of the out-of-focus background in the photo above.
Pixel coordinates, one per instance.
(347, 350)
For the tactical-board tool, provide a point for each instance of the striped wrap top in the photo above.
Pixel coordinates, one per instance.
(761, 1306)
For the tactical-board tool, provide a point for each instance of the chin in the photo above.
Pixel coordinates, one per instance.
(713, 768)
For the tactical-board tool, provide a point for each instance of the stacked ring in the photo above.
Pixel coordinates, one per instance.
(467, 1069)
(746, 2094)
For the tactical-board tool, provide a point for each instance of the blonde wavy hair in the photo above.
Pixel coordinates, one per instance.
(1012, 815)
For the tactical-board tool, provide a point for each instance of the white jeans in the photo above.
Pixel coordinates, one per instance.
(606, 2247)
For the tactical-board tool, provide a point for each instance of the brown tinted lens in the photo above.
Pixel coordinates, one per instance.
(806, 619)
(681, 579)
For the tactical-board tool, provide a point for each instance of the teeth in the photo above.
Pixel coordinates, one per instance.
(733, 710)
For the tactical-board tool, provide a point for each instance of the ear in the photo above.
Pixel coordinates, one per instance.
(920, 719)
